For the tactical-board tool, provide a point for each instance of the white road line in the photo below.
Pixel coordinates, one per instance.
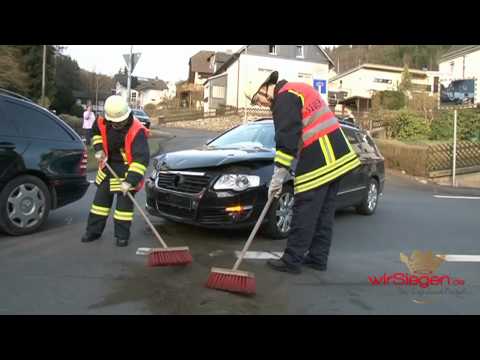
(91, 181)
(457, 197)
(460, 258)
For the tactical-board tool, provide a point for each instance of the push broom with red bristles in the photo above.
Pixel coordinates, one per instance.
(166, 256)
(234, 280)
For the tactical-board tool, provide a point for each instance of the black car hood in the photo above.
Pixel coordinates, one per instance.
(201, 158)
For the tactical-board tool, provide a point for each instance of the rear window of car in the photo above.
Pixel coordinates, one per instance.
(34, 123)
(351, 136)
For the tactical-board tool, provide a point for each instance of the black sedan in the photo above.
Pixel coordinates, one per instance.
(143, 117)
(43, 164)
(224, 184)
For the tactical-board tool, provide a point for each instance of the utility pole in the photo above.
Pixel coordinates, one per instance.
(43, 73)
(129, 80)
(454, 170)
(96, 94)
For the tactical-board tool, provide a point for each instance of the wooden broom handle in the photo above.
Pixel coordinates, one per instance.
(253, 233)
(139, 208)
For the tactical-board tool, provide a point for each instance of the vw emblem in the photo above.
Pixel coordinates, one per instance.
(178, 180)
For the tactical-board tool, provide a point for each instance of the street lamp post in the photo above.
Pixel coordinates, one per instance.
(129, 80)
(43, 73)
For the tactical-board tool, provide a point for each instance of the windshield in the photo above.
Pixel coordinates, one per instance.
(139, 113)
(247, 136)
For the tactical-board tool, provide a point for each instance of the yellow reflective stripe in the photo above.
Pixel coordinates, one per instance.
(99, 210)
(123, 215)
(327, 178)
(114, 181)
(283, 162)
(298, 94)
(283, 158)
(138, 168)
(313, 174)
(123, 156)
(325, 152)
(97, 139)
(329, 147)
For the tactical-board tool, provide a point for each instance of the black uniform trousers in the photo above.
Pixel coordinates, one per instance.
(100, 210)
(312, 225)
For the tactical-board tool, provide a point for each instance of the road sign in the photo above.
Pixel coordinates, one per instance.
(135, 58)
(320, 85)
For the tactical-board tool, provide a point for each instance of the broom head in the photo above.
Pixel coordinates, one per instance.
(232, 280)
(169, 256)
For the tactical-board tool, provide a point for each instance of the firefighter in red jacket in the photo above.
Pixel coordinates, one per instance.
(306, 129)
(121, 140)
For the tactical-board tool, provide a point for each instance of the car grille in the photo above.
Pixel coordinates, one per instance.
(182, 182)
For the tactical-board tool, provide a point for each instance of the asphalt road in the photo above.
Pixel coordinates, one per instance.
(52, 272)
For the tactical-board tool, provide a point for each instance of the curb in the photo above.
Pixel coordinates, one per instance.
(458, 191)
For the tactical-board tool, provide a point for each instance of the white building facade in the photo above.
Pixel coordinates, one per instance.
(253, 63)
(364, 80)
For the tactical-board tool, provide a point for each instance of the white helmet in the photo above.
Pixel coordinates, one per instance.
(253, 89)
(116, 109)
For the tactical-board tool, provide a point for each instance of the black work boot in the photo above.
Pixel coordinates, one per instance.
(281, 265)
(308, 261)
(89, 237)
(122, 242)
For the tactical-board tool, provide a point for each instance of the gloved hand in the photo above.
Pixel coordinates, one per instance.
(279, 175)
(100, 156)
(125, 187)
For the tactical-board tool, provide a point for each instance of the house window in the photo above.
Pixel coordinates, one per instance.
(304, 76)
(299, 52)
(133, 97)
(272, 49)
(218, 92)
(382, 81)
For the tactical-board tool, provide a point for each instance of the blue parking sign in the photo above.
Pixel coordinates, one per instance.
(320, 86)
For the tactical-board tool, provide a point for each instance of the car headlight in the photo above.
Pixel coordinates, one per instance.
(236, 182)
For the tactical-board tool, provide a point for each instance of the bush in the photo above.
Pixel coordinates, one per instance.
(468, 126)
(410, 126)
(150, 109)
(389, 100)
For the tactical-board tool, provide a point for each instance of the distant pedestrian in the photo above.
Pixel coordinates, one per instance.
(88, 120)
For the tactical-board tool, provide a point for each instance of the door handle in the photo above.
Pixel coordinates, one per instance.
(7, 146)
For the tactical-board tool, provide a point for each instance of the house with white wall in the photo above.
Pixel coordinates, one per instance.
(362, 82)
(252, 64)
(148, 91)
(460, 62)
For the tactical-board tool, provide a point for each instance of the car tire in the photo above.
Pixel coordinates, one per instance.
(370, 201)
(24, 205)
(279, 217)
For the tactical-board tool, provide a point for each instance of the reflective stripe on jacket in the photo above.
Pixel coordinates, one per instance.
(324, 153)
(133, 131)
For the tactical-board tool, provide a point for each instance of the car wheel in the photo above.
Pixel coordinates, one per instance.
(279, 216)
(24, 205)
(370, 201)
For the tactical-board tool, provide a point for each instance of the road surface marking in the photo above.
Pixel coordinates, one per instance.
(457, 197)
(91, 181)
(460, 258)
(260, 255)
(143, 251)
